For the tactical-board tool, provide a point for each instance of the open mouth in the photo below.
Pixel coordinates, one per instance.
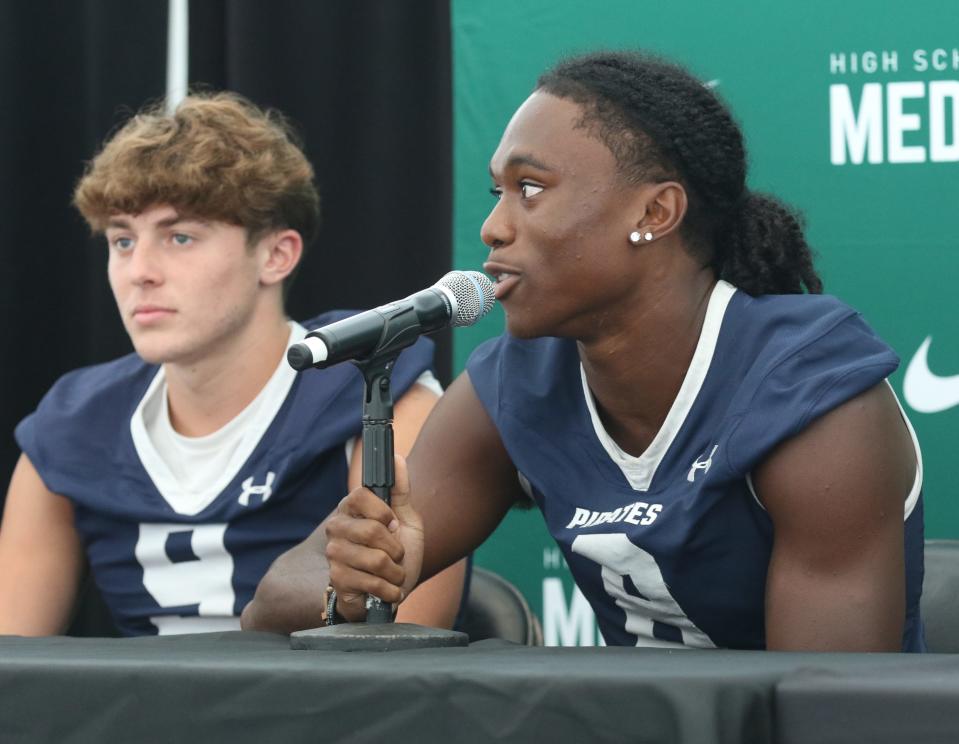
(504, 284)
(505, 277)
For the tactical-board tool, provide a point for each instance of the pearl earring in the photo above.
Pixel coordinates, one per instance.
(636, 237)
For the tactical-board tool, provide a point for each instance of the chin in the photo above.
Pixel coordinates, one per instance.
(151, 355)
(532, 325)
(523, 328)
(155, 353)
(523, 333)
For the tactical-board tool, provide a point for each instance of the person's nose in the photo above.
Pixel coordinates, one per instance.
(498, 229)
(145, 265)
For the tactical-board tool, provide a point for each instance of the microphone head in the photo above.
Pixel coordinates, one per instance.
(474, 295)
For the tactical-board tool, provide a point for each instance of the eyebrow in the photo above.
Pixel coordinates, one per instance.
(517, 160)
(169, 221)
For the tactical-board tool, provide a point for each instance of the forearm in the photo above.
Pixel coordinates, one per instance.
(291, 595)
(462, 479)
(435, 602)
(28, 608)
(41, 557)
(454, 526)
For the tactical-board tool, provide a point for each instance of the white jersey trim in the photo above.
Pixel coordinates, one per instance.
(639, 471)
(913, 496)
(206, 465)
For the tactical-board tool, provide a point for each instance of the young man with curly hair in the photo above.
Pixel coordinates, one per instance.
(180, 473)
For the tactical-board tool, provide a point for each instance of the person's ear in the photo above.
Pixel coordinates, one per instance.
(280, 253)
(662, 207)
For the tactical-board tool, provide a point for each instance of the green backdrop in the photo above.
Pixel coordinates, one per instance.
(851, 114)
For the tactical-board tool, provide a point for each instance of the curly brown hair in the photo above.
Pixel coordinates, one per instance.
(217, 156)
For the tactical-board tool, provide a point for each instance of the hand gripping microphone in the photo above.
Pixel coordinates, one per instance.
(458, 299)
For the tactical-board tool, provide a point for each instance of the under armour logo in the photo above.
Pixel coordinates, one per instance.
(265, 491)
(701, 465)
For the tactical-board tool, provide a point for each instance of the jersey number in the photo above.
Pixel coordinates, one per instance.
(188, 565)
(632, 578)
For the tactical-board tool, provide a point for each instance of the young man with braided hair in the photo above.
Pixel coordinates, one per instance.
(180, 473)
(718, 454)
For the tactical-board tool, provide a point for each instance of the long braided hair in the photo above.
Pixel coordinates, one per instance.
(662, 124)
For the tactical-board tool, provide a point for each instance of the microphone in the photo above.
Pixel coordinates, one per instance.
(458, 299)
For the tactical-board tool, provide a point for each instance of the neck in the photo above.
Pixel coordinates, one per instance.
(207, 394)
(635, 372)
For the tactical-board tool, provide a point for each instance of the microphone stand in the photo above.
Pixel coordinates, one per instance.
(379, 632)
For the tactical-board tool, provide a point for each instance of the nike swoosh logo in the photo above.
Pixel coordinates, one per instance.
(926, 391)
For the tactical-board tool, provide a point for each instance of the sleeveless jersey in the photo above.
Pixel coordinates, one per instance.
(160, 570)
(671, 548)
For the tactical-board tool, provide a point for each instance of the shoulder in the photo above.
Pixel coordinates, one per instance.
(808, 340)
(799, 357)
(788, 323)
(113, 383)
(508, 372)
(84, 412)
(508, 351)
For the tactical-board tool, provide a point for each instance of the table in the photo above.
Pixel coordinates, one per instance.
(241, 686)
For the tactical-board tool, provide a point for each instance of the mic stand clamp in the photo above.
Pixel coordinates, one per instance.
(378, 632)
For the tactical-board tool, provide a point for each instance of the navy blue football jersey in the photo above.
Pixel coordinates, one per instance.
(162, 567)
(671, 548)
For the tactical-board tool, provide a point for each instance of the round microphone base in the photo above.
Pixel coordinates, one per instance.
(375, 637)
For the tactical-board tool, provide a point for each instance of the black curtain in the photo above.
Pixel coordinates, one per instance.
(367, 83)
